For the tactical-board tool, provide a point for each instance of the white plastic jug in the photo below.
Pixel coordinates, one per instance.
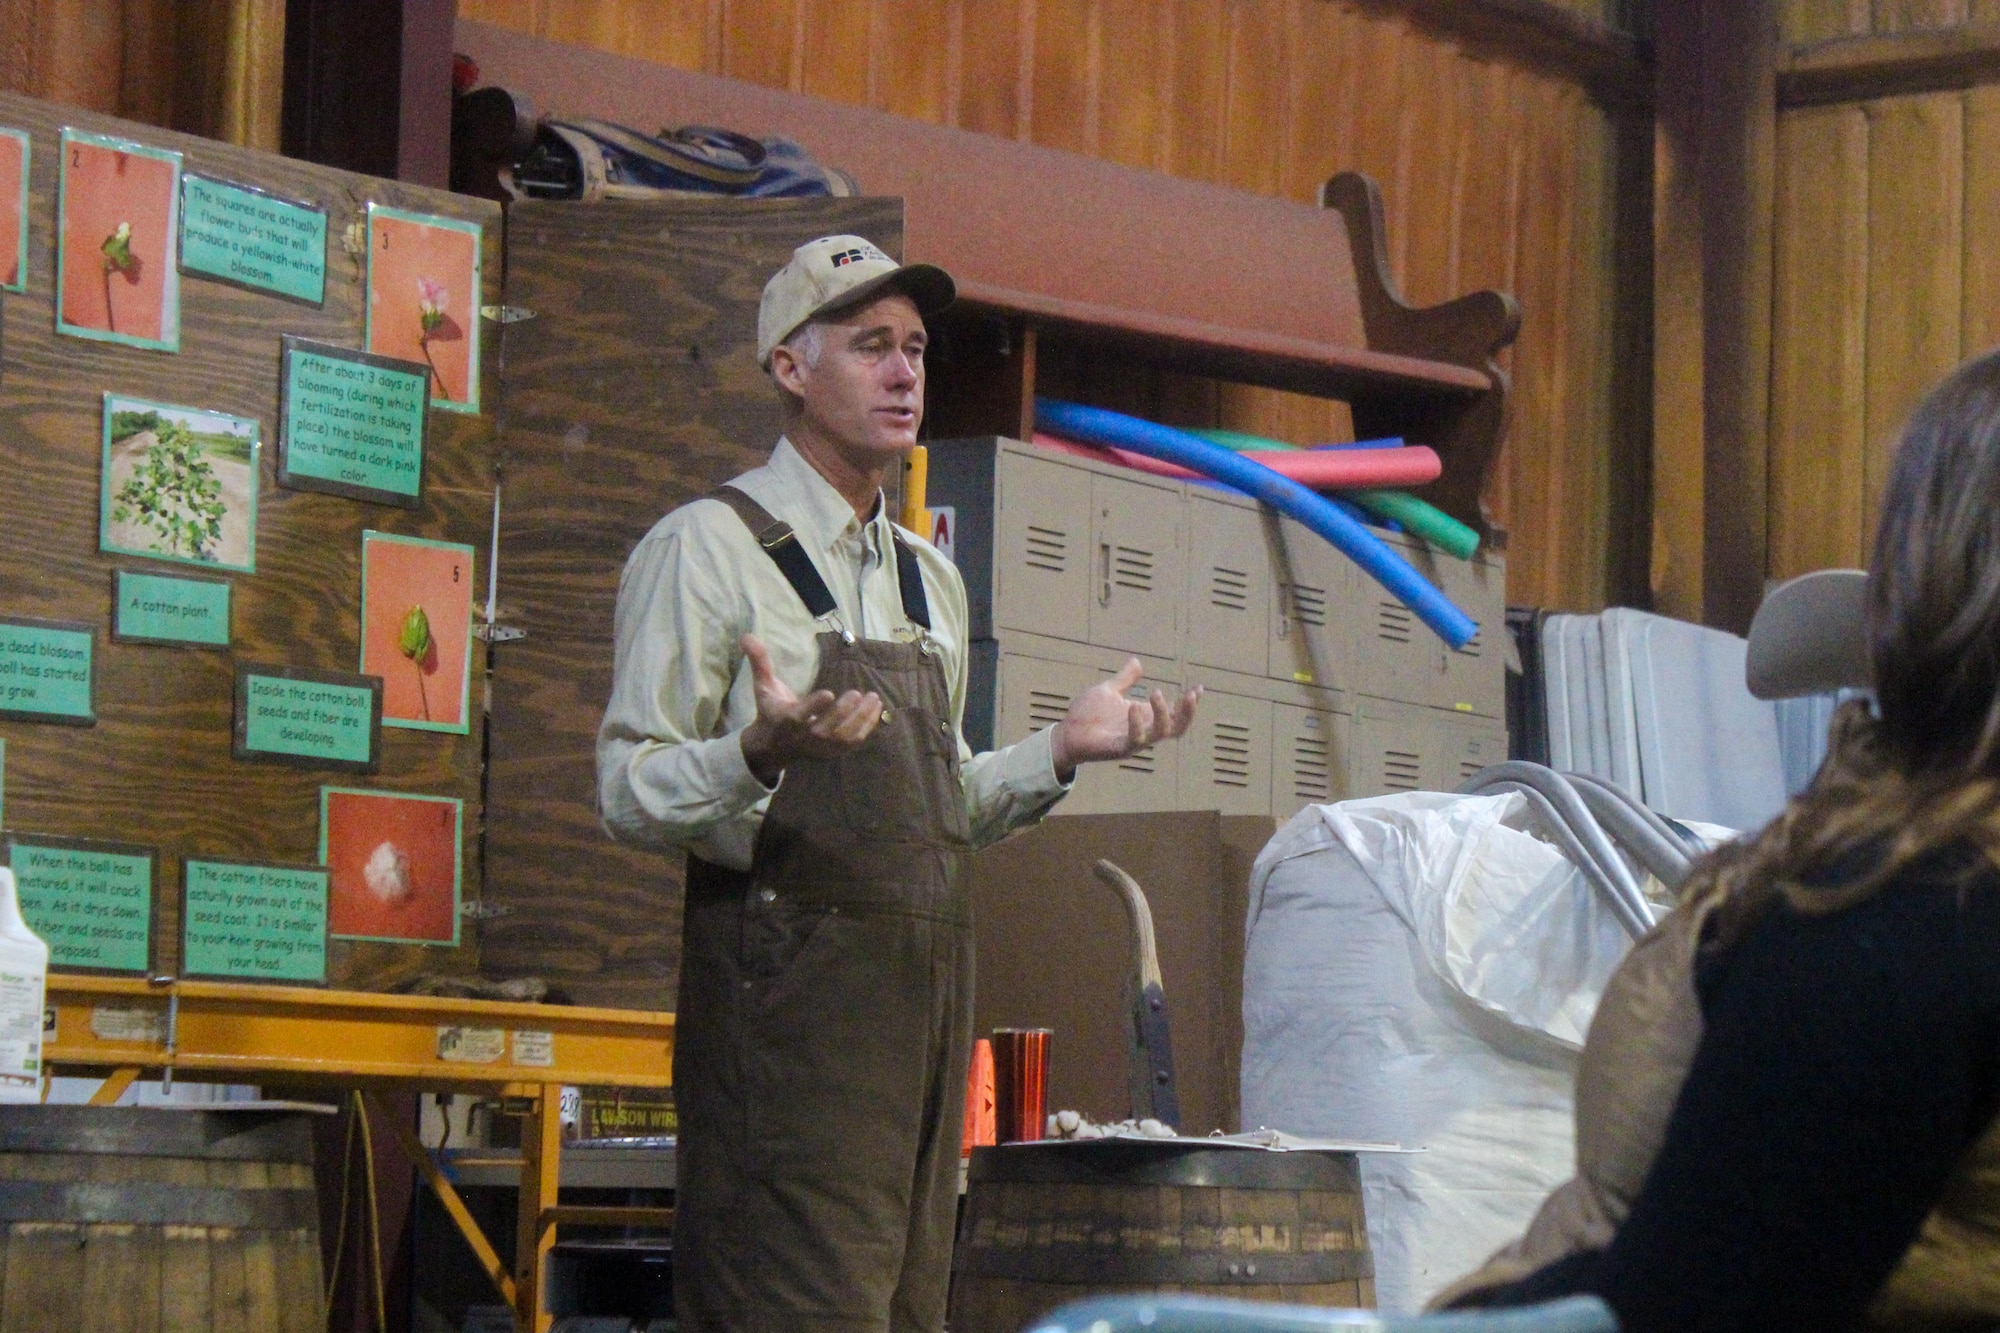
(24, 976)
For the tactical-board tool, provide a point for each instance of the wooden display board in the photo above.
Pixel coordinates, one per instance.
(633, 389)
(155, 769)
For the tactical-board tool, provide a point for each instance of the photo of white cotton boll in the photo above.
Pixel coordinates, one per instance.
(387, 873)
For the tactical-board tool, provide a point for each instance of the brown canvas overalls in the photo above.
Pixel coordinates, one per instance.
(825, 1018)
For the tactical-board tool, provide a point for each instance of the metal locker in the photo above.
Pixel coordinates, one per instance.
(1311, 753)
(1035, 694)
(1464, 747)
(1229, 586)
(1138, 576)
(1225, 758)
(1313, 589)
(1475, 676)
(1400, 658)
(1394, 749)
(1042, 562)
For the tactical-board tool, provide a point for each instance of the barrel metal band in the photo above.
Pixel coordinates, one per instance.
(158, 1205)
(263, 1136)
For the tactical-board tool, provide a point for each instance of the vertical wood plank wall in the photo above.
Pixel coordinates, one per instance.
(1493, 175)
(208, 67)
(1886, 275)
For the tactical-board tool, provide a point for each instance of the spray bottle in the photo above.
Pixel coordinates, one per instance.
(24, 975)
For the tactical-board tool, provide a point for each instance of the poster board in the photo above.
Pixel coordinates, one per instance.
(156, 767)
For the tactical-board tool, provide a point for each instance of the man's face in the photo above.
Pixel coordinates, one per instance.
(865, 395)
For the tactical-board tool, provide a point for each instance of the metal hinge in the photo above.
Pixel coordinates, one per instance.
(482, 911)
(506, 314)
(498, 633)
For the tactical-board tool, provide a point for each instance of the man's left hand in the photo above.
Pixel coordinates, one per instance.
(1102, 724)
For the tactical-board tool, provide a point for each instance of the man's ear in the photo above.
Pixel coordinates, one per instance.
(789, 369)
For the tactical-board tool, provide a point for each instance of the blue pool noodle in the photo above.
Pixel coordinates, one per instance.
(1097, 426)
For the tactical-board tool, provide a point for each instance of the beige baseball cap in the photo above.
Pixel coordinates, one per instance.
(834, 272)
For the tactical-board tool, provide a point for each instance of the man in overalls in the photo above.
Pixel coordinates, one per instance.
(790, 676)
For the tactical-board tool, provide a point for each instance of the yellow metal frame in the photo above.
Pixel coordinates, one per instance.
(217, 1030)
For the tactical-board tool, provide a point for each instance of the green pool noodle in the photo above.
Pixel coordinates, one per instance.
(1418, 517)
(1239, 442)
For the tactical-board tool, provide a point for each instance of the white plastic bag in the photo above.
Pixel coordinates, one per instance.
(1420, 969)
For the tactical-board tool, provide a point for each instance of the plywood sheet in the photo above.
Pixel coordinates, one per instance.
(634, 389)
(156, 768)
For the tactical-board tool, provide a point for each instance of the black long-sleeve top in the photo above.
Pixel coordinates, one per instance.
(1847, 1063)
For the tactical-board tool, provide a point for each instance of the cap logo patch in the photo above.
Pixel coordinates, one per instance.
(848, 257)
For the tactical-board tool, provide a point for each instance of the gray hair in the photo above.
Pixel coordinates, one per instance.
(808, 340)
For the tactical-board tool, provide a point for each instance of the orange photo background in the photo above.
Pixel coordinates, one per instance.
(402, 253)
(13, 213)
(405, 892)
(438, 579)
(103, 187)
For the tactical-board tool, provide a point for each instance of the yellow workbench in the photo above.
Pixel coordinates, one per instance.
(216, 1031)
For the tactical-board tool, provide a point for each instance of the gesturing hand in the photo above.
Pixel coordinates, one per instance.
(789, 728)
(1103, 724)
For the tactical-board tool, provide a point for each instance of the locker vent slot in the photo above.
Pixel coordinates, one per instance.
(1468, 767)
(1473, 647)
(1048, 549)
(1401, 770)
(1394, 623)
(1309, 604)
(1141, 762)
(1312, 778)
(1231, 755)
(1132, 568)
(1229, 588)
(1046, 708)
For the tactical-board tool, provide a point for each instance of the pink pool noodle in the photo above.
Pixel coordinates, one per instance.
(1317, 469)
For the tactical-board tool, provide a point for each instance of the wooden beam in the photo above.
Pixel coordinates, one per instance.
(1615, 66)
(1859, 69)
(1715, 136)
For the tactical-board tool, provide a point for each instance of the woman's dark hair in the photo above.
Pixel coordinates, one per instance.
(1921, 773)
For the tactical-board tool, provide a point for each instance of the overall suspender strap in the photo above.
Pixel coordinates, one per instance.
(788, 553)
(784, 548)
(910, 582)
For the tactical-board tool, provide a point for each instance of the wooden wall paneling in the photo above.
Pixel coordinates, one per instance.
(1979, 329)
(1819, 341)
(836, 57)
(1134, 112)
(1537, 499)
(1822, 20)
(1579, 568)
(760, 40)
(1223, 90)
(911, 59)
(633, 390)
(1068, 52)
(156, 768)
(1893, 16)
(994, 36)
(1256, 96)
(1916, 247)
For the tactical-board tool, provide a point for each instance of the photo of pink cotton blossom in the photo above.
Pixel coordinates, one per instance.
(423, 299)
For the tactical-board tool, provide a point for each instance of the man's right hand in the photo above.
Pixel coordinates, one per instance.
(789, 728)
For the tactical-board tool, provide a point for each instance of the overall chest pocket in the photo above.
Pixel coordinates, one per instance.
(902, 785)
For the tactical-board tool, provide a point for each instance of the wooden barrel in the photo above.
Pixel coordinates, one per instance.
(127, 1218)
(1048, 1224)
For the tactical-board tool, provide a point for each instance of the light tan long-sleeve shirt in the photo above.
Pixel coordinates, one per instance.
(670, 766)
